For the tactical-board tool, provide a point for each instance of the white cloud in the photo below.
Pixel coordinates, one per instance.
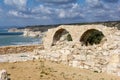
(14, 13)
(95, 10)
(1, 10)
(48, 12)
(61, 13)
(18, 14)
(41, 9)
(18, 3)
(57, 1)
(69, 13)
(93, 3)
(72, 12)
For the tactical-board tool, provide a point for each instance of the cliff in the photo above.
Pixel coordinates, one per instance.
(33, 31)
(15, 30)
(39, 30)
(30, 33)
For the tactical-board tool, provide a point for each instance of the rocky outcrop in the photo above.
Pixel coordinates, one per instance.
(30, 33)
(27, 32)
(15, 30)
(102, 57)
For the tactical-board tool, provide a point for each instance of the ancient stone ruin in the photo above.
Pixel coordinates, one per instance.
(4, 75)
(92, 47)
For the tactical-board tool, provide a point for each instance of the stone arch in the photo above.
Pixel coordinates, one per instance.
(61, 35)
(91, 36)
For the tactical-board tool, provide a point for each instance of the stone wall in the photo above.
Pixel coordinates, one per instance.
(19, 49)
(76, 31)
(103, 57)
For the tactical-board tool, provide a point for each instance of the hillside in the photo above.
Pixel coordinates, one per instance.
(44, 28)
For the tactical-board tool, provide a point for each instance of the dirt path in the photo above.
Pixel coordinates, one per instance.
(46, 70)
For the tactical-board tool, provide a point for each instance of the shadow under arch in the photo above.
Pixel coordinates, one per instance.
(61, 35)
(91, 36)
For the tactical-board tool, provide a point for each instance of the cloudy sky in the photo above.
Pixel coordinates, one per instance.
(36, 12)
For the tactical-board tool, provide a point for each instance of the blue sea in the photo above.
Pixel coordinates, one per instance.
(16, 38)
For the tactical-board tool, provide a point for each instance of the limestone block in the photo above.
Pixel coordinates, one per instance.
(76, 51)
(89, 63)
(83, 57)
(104, 69)
(117, 51)
(89, 51)
(86, 67)
(55, 55)
(65, 52)
(75, 63)
(112, 68)
(79, 57)
(90, 57)
(81, 66)
(105, 53)
(118, 73)
(99, 48)
(105, 46)
(64, 57)
(117, 33)
(98, 69)
(115, 58)
(3, 75)
(112, 46)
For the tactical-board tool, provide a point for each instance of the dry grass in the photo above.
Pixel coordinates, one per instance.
(46, 70)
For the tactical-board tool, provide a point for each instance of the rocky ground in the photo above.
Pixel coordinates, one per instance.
(16, 57)
(91, 59)
(103, 57)
(46, 70)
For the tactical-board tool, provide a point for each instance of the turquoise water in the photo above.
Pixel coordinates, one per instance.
(7, 39)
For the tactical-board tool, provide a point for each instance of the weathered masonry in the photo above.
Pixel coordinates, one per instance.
(93, 47)
(75, 32)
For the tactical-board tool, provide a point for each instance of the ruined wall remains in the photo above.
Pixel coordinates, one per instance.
(75, 31)
(101, 56)
(18, 49)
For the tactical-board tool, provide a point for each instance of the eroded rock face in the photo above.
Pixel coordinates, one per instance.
(29, 33)
(103, 57)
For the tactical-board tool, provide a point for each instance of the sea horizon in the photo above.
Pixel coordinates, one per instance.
(16, 38)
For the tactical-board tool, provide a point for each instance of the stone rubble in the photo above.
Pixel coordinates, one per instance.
(18, 49)
(16, 57)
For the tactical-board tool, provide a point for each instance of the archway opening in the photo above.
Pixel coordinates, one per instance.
(61, 35)
(91, 36)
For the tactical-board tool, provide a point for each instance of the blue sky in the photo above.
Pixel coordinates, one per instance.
(37, 12)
